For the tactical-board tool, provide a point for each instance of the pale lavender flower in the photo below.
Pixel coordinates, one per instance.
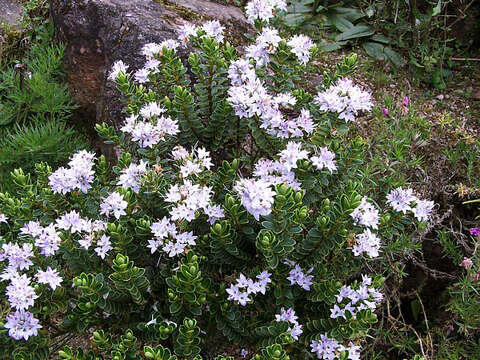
(256, 196)
(324, 159)
(79, 175)
(117, 68)
(214, 212)
(18, 257)
(366, 214)
(3, 218)
(71, 221)
(297, 276)
(214, 29)
(292, 153)
(400, 199)
(104, 245)
(325, 348)
(367, 242)
(269, 39)
(19, 293)
(263, 10)
(274, 173)
(141, 75)
(170, 44)
(22, 324)
(301, 46)
(287, 315)
(48, 241)
(151, 109)
(130, 177)
(32, 228)
(115, 204)
(186, 31)
(344, 98)
(163, 228)
(151, 49)
(240, 71)
(423, 209)
(50, 277)
(179, 153)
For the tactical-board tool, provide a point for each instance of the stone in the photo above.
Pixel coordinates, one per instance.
(11, 12)
(99, 32)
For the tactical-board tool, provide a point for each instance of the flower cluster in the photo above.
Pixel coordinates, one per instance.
(78, 175)
(302, 279)
(366, 215)
(169, 239)
(113, 203)
(344, 98)
(188, 198)
(192, 163)
(325, 159)
(289, 316)
(367, 242)
(22, 324)
(246, 286)
(354, 300)
(404, 200)
(45, 238)
(263, 10)
(50, 277)
(301, 46)
(274, 173)
(149, 133)
(119, 67)
(256, 196)
(329, 349)
(130, 177)
(213, 29)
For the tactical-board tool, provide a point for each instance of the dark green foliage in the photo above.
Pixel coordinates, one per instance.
(129, 278)
(272, 352)
(25, 145)
(188, 339)
(186, 292)
(37, 91)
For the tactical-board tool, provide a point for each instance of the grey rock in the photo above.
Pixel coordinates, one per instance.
(11, 12)
(99, 32)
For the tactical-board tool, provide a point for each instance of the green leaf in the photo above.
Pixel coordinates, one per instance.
(381, 39)
(437, 9)
(341, 24)
(383, 52)
(327, 47)
(355, 32)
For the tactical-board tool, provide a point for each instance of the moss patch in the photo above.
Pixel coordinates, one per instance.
(182, 11)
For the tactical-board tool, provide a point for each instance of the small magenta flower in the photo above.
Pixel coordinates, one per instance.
(385, 112)
(467, 263)
(405, 102)
(475, 232)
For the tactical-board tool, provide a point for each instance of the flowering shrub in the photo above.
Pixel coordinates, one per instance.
(233, 215)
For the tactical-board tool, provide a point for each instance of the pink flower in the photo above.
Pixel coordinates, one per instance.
(475, 232)
(466, 263)
(405, 101)
(385, 112)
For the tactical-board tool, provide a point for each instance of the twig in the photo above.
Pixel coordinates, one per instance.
(464, 59)
(463, 13)
(426, 320)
